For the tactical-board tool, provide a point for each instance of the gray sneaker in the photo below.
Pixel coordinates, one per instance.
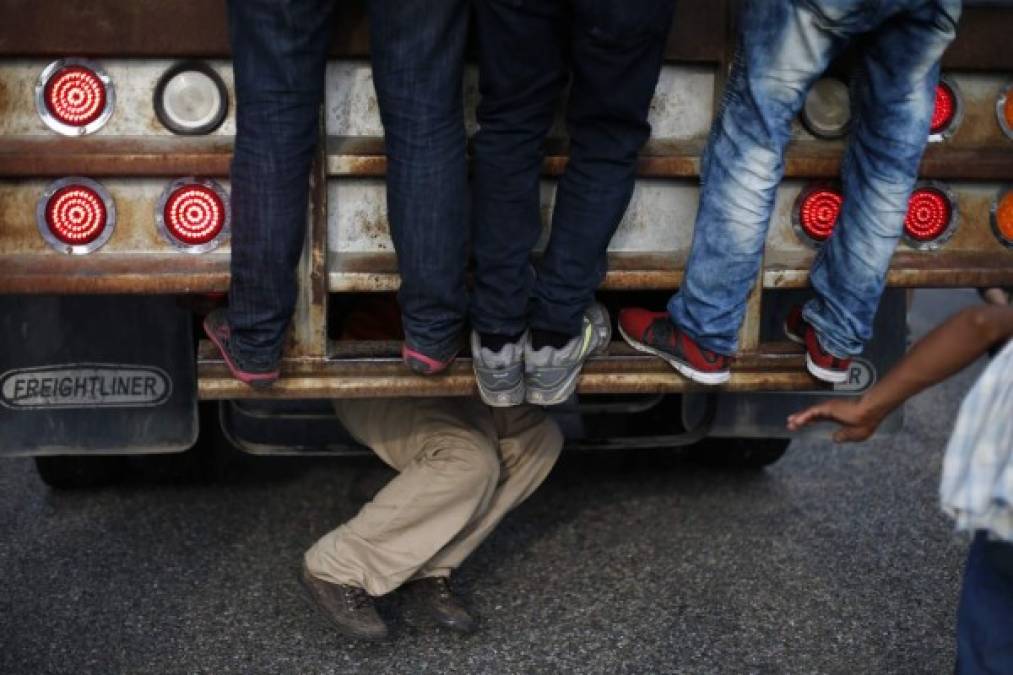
(500, 375)
(550, 375)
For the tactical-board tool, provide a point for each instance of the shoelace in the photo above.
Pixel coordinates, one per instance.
(443, 588)
(356, 598)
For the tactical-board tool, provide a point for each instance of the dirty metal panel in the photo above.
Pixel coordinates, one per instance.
(972, 257)
(136, 257)
(980, 126)
(134, 114)
(681, 109)
(135, 230)
(652, 243)
(357, 221)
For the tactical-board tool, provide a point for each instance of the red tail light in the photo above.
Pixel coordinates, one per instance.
(931, 216)
(74, 97)
(947, 112)
(193, 214)
(816, 212)
(76, 215)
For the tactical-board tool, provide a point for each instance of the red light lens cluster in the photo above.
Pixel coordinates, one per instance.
(929, 214)
(75, 96)
(818, 211)
(76, 215)
(945, 111)
(194, 214)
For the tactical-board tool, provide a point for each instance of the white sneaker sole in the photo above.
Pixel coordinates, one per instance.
(820, 373)
(791, 336)
(558, 394)
(506, 398)
(709, 379)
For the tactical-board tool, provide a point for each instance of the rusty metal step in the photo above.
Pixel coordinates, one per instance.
(360, 157)
(773, 367)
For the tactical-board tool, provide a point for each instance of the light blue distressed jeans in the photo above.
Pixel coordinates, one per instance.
(785, 46)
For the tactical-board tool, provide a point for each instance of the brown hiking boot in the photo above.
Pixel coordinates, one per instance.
(435, 596)
(350, 609)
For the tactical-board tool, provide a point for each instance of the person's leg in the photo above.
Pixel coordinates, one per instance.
(417, 51)
(895, 97)
(985, 614)
(529, 445)
(279, 58)
(785, 45)
(446, 452)
(616, 51)
(522, 71)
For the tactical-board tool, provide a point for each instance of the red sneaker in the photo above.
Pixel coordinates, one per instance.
(819, 362)
(654, 333)
(217, 328)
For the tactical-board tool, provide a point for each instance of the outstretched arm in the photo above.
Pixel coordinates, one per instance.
(955, 344)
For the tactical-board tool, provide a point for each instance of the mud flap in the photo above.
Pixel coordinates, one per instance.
(96, 375)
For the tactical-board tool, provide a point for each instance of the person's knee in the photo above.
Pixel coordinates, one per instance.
(475, 465)
(467, 457)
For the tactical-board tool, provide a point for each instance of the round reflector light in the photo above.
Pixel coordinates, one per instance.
(931, 216)
(75, 215)
(1002, 217)
(827, 109)
(74, 96)
(816, 212)
(1004, 110)
(948, 111)
(193, 214)
(191, 99)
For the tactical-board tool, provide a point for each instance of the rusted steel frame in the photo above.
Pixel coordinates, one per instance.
(380, 359)
(770, 355)
(125, 156)
(218, 385)
(363, 157)
(308, 336)
(142, 274)
(944, 277)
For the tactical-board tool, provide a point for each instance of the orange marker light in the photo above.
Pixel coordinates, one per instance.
(1004, 110)
(1002, 217)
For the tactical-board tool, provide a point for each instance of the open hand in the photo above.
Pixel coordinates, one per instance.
(857, 421)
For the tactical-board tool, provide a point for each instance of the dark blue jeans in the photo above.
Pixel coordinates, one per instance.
(280, 55)
(985, 616)
(611, 53)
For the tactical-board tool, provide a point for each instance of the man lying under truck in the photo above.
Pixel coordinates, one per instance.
(463, 466)
(785, 46)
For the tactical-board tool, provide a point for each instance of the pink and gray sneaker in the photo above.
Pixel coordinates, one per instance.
(424, 364)
(218, 331)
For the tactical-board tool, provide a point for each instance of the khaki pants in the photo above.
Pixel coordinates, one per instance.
(463, 467)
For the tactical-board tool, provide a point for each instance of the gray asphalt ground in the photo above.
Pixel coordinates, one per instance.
(834, 560)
